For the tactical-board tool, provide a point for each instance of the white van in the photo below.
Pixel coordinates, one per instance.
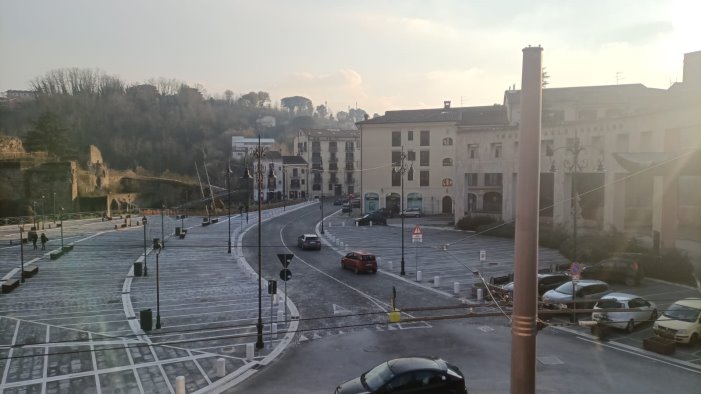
(681, 321)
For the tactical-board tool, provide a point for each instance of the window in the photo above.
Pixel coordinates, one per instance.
(586, 114)
(496, 150)
(447, 162)
(472, 179)
(396, 177)
(423, 178)
(396, 158)
(410, 174)
(330, 186)
(396, 138)
(425, 138)
(492, 179)
(447, 141)
(411, 155)
(410, 135)
(472, 150)
(294, 172)
(424, 158)
(622, 143)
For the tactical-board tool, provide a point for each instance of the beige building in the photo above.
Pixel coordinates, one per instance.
(622, 156)
(334, 161)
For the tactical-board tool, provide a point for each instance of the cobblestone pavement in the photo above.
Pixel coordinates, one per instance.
(74, 326)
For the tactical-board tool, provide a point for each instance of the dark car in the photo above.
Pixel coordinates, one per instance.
(355, 202)
(359, 262)
(385, 212)
(374, 217)
(408, 375)
(545, 282)
(339, 201)
(308, 241)
(623, 269)
(346, 208)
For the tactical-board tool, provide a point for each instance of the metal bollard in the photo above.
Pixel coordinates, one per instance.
(180, 385)
(419, 276)
(274, 331)
(221, 368)
(480, 294)
(436, 281)
(249, 352)
(356, 224)
(456, 287)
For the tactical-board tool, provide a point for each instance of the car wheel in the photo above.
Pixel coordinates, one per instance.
(694, 340)
(630, 326)
(653, 315)
(630, 281)
(374, 271)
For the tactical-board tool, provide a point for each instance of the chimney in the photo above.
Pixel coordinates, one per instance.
(446, 104)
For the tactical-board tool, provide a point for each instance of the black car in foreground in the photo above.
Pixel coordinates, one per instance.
(374, 217)
(622, 269)
(547, 281)
(408, 375)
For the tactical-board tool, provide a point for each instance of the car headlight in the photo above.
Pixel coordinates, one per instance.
(682, 332)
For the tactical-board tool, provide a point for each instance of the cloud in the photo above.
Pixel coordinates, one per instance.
(327, 88)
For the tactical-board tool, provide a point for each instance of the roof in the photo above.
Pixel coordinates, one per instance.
(464, 116)
(401, 365)
(589, 94)
(293, 160)
(619, 296)
(272, 155)
(333, 133)
(690, 302)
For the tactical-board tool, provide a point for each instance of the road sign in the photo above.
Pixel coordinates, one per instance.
(575, 269)
(272, 287)
(285, 259)
(416, 230)
(483, 255)
(285, 274)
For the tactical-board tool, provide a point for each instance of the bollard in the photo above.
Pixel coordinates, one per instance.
(370, 223)
(249, 352)
(456, 287)
(390, 266)
(180, 385)
(344, 224)
(419, 276)
(274, 331)
(480, 294)
(221, 368)
(356, 224)
(436, 281)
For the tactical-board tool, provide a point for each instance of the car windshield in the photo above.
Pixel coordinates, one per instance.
(609, 304)
(683, 313)
(566, 288)
(376, 377)
(312, 238)
(368, 258)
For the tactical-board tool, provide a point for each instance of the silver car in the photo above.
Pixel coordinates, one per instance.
(587, 293)
(637, 310)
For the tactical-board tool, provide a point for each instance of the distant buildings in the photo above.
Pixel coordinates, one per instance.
(240, 146)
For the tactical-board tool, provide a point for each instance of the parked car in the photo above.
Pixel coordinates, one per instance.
(411, 213)
(359, 262)
(546, 282)
(308, 241)
(623, 269)
(681, 322)
(637, 310)
(587, 292)
(385, 212)
(339, 201)
(355, 202)
(346, 208)
(374, 217)
(408, 375)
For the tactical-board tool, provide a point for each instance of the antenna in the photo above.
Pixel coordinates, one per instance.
(619, 77)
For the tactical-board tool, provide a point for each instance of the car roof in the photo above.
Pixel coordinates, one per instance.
(589, 282)
(690, 302)
(363, 253)
(310, 235)
(405, 364)
(620, 296)
(549, 274)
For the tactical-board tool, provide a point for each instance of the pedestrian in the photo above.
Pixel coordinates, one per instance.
(33, 237)
(44, 239)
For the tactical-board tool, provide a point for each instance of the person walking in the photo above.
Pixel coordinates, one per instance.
(33, 237)
(44, 239)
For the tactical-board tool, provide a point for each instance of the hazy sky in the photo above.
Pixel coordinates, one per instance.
(381, 55)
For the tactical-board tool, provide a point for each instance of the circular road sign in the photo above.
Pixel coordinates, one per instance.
(285, 274)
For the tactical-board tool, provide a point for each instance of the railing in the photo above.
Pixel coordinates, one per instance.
(30, 220)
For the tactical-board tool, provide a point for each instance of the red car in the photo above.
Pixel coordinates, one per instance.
(359, 262)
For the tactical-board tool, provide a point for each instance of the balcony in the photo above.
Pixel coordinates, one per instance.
(350, 156)
(350, 166)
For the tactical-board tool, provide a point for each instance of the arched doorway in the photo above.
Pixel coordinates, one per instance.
(447, 205)
(414, 200)
(372, 202)
(392, 202)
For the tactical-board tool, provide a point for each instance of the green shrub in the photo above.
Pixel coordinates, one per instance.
(472, 222)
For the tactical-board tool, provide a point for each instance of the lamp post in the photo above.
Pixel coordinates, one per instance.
(144, 220)
(228, 187)
(258, 153)
(34, 214)
(322, 211)
(157, 245)
(53, 213)
(163, 239)
(574, 168)
(43, 211)
(61, 218)
(402, 169)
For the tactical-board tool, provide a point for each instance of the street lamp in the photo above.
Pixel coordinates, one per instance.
(401, 170)
(322, 211)
(54, 210)
(21, 252)
(258, 153)
(574, 167)
(144, 220)
(61, 218)
(43, 211)
(228, 187)
(157, 245)
(163, 239)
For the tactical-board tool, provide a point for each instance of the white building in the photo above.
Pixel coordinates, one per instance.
(334, 159)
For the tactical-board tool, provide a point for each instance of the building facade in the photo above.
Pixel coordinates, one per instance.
(334, 161)
(241, 146)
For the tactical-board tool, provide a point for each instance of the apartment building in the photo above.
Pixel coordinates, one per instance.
(334, 161)
(621, 156)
